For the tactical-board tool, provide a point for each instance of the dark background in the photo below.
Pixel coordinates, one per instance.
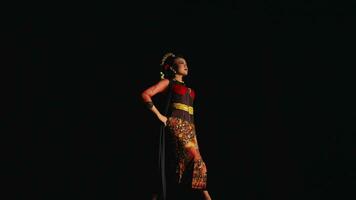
(275, 111)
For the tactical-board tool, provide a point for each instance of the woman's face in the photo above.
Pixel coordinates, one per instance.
(182, 67)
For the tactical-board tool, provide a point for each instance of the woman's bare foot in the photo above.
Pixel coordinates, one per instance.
(206, 195)
(154, 197)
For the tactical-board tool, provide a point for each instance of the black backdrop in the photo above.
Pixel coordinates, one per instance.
(275, 110)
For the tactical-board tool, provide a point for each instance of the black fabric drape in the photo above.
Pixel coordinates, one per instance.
(162, 148)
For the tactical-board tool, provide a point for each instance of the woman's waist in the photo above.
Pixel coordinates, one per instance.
(183, 116)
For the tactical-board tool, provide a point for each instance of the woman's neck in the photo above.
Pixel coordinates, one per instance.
(179, 78)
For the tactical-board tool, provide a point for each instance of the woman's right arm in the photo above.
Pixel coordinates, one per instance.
(147, 95)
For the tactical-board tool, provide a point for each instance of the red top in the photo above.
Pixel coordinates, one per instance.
(182, 89)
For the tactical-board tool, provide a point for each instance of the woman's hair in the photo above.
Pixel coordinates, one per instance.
(167, 64)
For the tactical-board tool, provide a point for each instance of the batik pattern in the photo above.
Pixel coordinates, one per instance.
(187, 150)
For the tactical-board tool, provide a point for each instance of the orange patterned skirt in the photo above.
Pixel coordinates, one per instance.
(190, 165)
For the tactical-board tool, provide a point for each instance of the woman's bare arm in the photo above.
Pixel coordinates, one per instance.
(147, 95)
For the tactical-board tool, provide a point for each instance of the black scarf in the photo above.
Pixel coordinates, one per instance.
(162, 147)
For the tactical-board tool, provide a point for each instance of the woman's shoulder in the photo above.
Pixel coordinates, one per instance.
(163, 82)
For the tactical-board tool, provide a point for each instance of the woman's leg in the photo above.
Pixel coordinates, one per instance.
(199, 179)
(206, 195)
(154, 196)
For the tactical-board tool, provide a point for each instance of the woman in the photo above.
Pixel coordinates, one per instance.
(178, 122)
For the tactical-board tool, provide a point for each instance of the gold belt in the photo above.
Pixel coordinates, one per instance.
(184, 107)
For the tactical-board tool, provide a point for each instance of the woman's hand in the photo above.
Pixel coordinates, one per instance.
(163, 119)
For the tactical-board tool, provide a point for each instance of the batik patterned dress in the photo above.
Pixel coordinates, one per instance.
(180, 124)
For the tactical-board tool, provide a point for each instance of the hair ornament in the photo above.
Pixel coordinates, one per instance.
(166, 56)
(162, 75)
